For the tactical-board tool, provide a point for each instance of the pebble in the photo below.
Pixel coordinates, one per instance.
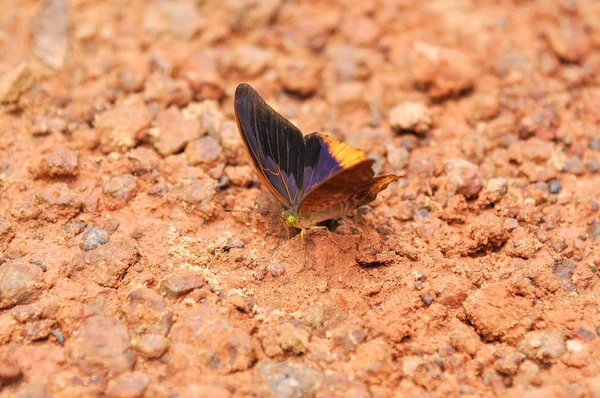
(107, 264)
(200, 70)
(199, 193)
(463, 177)
(204, 151)
(427, 299)
(209, 114)
(411, 117)
(94, 237)
(554, 187)
(563, 269)
(574, 165)
(508, 325)
(543, 345)
(151, 345)
(241, 176)
(173, 131)
(59, 163)
(398, 158)
(146, 313)
(121, 189)
(299, 75)
(16, 81)
(522, 244)
(465, 339)
(38, 330)
(276, 269)
(73, 227)
(288, 379)
(102, 343)
(58, 202)
(242, 302)
(181, 283)
(122, 127)
(20, 283)
(50, 30)
(594, 230)
(251, 60)
(128, 385)
(593, 164)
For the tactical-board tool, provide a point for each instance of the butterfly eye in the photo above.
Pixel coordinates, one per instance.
(291, 219)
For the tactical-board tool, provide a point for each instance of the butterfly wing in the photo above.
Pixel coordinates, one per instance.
(341, 180)
(276, 147)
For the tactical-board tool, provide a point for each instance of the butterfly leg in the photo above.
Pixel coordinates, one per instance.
(328, 233)
(287, 229)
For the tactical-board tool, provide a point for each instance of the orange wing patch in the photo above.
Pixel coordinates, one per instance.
(344, 154)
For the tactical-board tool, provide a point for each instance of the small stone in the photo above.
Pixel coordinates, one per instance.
(508, 325)
(16, 81)
(198, 193)
(465, 339)
(563, 269)
(128, 385)
(20, 283)
(27, 313)
(288, 379)
(200, 70)
(146, 312)
(574, 165)
(9, 370)
(173, 131)
(120, 189)
(489, 230)
(543, 345)
(38, 330)
(292, 337)
(509, 364)
(123, 126)
(594, 230)
(102, 343)
(411, 117)
(204, 151)
(463, 177)
(427, 299)
(73, 228)
(521, 244)
(107, 264)
(94, 237)
(250, 60)
(50, 29)
(241, 301)
(276, 269)
(241, 176)
(554, 187)
(59, 163)
(299, 75)
(57, 202)
(181, 283)
(593, 164)
(151, 345)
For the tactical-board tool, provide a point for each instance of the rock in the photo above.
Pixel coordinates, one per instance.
(166, 91)
(276, 269)
(574, 165)
(200, 70)
(372, 361)
(290, 380)
(489, 230)
(122, 127)
(452, 291)
(494, 190)
(209, 114)
(20, 283)
(58, 202)
(241, 176)
(27, 312)
(50, 29)
(568, 40)
(204, 151)
(241, 301)
(398, 158)
(299, 75)
(521, 244)
(43, 125)
(594, 230)
(119, 189)
(107, 264)
(38, 330)
(292, 337)
(465, 339)
(25, 209)
(545, 346)
(510, 324)
(16, 81)
(249, 60)
(151, 346)
(7, 233)
(9, 370)
(128, 385)
(147, 313)
(204, 336)
(94, 237)
(463, 177)
(181, 283)
(59, 163)
(411, 117)
(554, 187)
(563, 269)
(173, 131)
(442, 72)
(197, 194)
(102, 344)
(509, 364)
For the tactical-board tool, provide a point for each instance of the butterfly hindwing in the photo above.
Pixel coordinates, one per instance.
(276, 147)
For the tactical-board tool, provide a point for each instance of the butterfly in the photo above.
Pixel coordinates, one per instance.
(313, 176)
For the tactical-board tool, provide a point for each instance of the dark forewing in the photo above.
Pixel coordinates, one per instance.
(346, 190)
(276, 147)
